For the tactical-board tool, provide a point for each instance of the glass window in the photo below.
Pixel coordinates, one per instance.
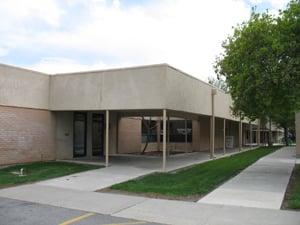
(79, 134)
(97, 134)
(178, 132)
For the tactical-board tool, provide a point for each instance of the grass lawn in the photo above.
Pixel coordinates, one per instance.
(197, 180)
(292, 197)
(39, 171)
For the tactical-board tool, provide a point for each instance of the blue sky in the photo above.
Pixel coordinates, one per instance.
(73, 35)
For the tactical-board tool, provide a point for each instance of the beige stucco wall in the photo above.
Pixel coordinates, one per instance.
(147, 87)
(130, 135)
(64, 135)
(185, 93)
(141, 88)
(204, 133)
(298, 134)
(136, 88)
(23, 88)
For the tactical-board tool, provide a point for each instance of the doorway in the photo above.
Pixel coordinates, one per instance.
(97, 134)
(79, 125)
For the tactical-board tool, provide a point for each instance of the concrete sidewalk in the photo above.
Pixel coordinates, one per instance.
(261, 185)
(96, 179)
(152, 210)
(125, 168)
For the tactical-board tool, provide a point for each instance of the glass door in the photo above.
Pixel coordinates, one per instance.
(79, 149)
(97, 134)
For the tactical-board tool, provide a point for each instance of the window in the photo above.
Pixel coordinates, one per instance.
(178, 132)
(79, 134)
(97, 134)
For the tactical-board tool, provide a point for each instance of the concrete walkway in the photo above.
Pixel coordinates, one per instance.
(152, 210)
(125, 168)
(261, 185)
(257, 186)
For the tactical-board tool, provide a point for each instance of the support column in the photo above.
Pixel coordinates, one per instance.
(212, 124)
(164, 139)
(106, 137)
(240, 135)
(212, 137)
(224, 136)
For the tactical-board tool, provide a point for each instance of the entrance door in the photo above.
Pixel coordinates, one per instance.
(79, 149)
(97, 134)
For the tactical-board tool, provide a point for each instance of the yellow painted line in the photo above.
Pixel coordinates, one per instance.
(128, 223)
(77, 219)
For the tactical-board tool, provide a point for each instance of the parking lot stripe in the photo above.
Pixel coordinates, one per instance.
(128, 223)
(77, 219)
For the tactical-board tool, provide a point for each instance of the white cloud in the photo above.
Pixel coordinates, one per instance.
(15, 11)
(275, 4)
(52, 65)
(255, 2)
(278, 4)
(3, 51)
(185, 34)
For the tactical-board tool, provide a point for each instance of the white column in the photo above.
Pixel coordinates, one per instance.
(106, 137)
(164, 139)
(224, 136)
(212, 137)
(212, 124)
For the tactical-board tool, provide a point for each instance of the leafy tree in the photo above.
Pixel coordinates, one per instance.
(261, 66)
(287, 91)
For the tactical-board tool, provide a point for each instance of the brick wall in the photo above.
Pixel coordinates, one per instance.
(26, 135)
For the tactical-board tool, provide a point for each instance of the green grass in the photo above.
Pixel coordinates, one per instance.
(39, 171)
(197, 180)
(293, 201)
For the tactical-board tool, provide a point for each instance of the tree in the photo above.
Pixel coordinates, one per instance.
(287, 93)
(261, 66)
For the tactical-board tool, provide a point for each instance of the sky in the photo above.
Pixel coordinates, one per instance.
(57, 36)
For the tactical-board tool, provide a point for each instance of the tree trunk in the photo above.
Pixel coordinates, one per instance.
(270, 142)
(286, 140)
(148, 133)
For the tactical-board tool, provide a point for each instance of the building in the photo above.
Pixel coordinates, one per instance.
(101, 113)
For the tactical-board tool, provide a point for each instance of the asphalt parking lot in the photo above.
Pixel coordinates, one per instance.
(15, 212)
